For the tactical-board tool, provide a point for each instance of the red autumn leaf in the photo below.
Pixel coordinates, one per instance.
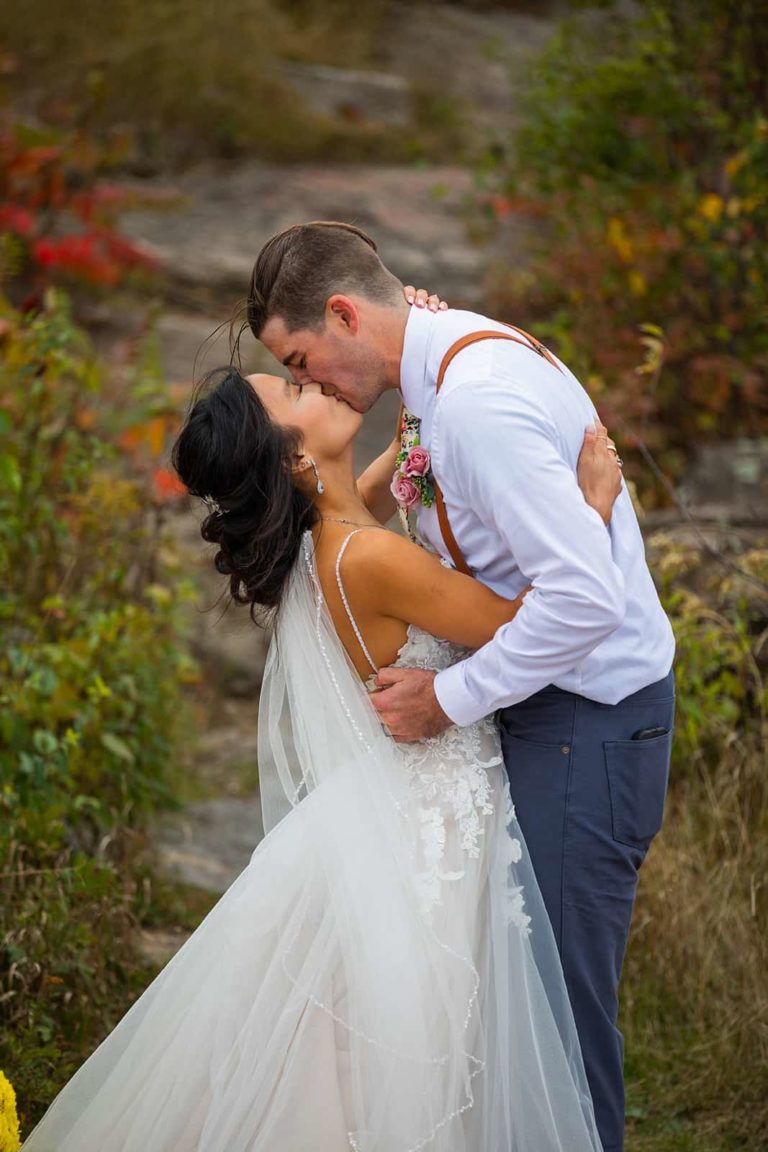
(125, 252)
(504, 206)
(76, 254)
(85, 418)
(29, 161)
(154, 434)
(13, 218)
(166, 485)
(130, 438)
(102, 199)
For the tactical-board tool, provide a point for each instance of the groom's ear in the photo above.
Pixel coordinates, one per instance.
(342, 312)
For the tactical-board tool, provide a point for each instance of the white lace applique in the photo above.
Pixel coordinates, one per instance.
(514, 849)
(433, 835)
(448, 775)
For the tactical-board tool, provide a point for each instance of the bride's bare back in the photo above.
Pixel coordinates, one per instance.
(390, 583)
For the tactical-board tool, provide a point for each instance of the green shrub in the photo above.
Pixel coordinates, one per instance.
(91, 672)
(645, 152)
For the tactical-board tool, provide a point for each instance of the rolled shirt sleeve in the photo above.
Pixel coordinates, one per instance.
(503, 457)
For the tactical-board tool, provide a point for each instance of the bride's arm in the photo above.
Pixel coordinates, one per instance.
(387, 575)
(374, 484)
(598, 471)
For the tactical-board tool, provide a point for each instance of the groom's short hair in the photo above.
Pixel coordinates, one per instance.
(300, 268)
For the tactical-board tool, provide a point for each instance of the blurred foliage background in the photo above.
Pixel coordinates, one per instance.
(637, 167)
(645, 151)
(92, 667)
(177, 81)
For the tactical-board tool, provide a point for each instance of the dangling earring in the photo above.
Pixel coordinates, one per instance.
(320, 485)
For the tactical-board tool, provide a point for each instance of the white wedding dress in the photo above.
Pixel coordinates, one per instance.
(382, 977)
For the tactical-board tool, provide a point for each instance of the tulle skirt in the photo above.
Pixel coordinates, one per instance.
(320, 1006)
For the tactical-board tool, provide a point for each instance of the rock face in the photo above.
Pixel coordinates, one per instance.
(373, 97)
(224, 216)
(729, 481)
(211, 843)
(232, 648)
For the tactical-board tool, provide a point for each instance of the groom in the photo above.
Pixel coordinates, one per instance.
(581, 677)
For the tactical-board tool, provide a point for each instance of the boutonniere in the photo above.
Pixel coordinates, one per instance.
(412, 482)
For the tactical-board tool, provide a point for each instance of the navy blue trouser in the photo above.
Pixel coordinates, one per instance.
(589, 800)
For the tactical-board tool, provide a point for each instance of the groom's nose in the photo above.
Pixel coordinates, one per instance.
(300, 375)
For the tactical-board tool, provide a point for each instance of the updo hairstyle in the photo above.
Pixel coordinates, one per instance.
(230, 449)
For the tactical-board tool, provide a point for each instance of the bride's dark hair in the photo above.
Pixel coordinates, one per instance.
(230, 449)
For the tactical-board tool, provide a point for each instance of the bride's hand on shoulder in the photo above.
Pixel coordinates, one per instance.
(422, 299)
(599, 470)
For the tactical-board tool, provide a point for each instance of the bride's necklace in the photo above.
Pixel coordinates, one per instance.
(353, 523)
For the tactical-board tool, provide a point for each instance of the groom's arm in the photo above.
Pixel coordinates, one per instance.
(505, 461)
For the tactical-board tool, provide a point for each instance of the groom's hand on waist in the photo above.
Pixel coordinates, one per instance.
(407, 705)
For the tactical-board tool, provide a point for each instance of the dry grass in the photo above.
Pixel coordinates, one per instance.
(695, 1011)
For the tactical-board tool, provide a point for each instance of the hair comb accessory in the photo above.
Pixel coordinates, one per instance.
(213, 505)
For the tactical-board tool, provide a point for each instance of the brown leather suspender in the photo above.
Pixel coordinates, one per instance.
(473, 338)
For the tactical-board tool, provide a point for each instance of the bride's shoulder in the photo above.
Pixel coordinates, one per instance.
(385, 575)
(379, 547)
(380, 560)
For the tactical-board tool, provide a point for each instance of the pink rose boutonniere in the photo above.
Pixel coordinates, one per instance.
(412, 482)
(404, 490)
(416, 462)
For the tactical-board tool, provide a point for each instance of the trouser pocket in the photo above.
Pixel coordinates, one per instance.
(638, 773)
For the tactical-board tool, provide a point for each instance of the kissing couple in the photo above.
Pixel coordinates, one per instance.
(464, 742)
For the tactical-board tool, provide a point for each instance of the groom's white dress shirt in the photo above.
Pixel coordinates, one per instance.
(504, 435)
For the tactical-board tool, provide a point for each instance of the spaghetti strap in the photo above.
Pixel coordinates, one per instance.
(345, 602)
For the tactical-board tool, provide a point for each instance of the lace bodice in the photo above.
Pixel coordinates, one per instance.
(451, 775)
(477, 742)
(455, 777)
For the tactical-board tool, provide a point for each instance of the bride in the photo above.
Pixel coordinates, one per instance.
(382, 976)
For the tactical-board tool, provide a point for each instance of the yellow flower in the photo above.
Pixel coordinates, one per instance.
(97, 689)
(10, 1140)
(617, 237)
(638, 285)
(161, 595)
(734, 163)
(711, 207)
